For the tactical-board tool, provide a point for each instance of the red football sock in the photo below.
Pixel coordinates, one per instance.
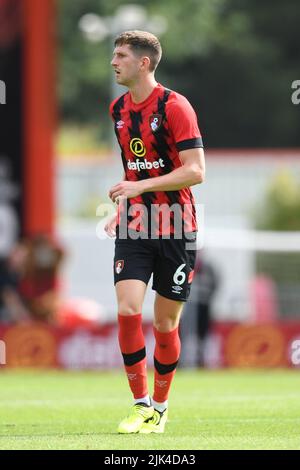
(132, 345)
(166, 356)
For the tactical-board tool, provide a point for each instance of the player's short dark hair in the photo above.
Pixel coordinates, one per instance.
(142, 42)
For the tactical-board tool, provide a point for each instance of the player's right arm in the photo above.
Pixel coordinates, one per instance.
(111, 224)
(110, 227)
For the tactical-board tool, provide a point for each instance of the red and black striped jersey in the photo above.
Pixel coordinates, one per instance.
(151, 134)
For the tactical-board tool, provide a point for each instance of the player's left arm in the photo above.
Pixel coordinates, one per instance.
(190, 173)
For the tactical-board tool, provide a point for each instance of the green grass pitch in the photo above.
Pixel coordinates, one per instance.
(208, 410)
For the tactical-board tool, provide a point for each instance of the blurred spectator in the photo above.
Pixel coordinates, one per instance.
(205, 284)
(38, 261)
(264, 299)
(80, 313)
(12, 309)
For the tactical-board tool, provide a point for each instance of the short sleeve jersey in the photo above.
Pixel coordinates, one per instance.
(151, 134)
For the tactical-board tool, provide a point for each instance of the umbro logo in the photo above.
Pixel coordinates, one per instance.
(131, 376)
(120, 124)
(177, 288)
(161, 383)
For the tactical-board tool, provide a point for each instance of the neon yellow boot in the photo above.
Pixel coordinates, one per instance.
(155, 424)
(133, 423)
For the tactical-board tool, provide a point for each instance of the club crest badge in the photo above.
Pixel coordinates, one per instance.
(119, 266)
(155, 122)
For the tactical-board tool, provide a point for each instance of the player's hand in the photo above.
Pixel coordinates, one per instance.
(110, 226)
(126, 189)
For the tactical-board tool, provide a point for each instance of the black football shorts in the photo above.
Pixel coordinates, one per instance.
(171, 262)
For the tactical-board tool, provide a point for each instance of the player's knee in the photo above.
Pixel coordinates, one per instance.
(168, 323)
(128, 309)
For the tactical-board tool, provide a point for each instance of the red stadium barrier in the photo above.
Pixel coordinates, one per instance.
(233, 345)
(39, 345)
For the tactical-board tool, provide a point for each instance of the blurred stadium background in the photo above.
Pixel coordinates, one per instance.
(237, 61)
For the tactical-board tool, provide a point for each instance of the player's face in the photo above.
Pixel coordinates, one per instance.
(126, 65)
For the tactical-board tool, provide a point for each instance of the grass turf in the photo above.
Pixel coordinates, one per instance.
(208, 410)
